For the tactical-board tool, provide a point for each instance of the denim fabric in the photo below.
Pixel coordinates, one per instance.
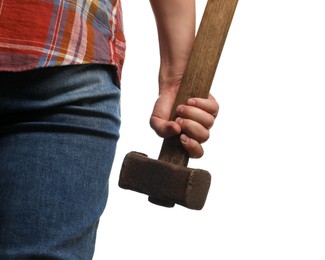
(58, 133)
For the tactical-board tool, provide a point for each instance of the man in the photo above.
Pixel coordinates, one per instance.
(61, 64)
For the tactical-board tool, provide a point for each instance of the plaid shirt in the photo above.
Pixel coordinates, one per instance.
(43, 33)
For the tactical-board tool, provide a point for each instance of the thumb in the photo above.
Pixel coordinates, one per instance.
(164, 128)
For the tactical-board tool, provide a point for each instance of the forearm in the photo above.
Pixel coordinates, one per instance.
(176, 30)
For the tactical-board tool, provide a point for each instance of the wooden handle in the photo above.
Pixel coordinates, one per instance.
(201, 67)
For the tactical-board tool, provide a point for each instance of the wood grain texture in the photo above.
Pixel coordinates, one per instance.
(201, 67)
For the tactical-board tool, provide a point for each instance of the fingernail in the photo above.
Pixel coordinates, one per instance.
(191, 102)
(180, 109)
(179, 120)
(184, 138)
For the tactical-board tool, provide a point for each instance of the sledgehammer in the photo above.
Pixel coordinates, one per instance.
(168, 180)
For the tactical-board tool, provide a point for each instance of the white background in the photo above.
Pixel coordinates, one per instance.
(265, 154)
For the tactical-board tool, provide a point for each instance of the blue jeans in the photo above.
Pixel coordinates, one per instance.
(58, 133)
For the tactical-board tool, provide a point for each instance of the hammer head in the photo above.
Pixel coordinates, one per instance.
(165, 183)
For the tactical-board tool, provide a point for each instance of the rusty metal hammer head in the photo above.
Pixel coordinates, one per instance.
(165, 183)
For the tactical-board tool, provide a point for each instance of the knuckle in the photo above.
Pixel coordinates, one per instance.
(210, 122)
(205, 136)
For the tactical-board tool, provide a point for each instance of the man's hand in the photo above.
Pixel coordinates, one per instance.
(176, 30)
(193, 122)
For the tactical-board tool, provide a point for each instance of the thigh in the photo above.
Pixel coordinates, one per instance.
(58, 134)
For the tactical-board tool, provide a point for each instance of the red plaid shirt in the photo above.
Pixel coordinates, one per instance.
(43, 33)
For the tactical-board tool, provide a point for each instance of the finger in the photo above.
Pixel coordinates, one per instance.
(209, 104)
(194, 130)
(196, 114)
(193, 148)
(164, 128)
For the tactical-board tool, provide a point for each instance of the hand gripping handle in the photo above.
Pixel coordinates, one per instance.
(201, 67)
(199, 73)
